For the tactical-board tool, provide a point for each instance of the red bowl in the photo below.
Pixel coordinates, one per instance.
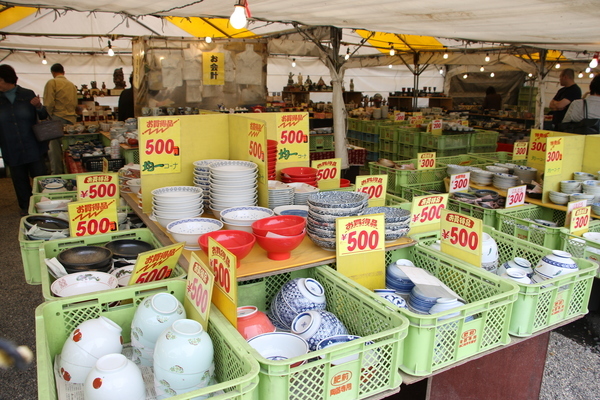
(298, 179)
(252, 322)
(286, 225)
(279, 248)
(344, 182)
(271, 142)
(300, 171)
(240, 243)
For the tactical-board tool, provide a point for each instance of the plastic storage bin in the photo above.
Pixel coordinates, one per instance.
(236, 371)
(445, 142)
(581, 247)
(481, 138)
(33, 200)
(538, 305)
(519, 222)
(36, 187)
(381, 329)
(398, 178)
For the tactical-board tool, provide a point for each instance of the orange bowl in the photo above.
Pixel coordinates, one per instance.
(252, 322)
(240, 243)
(280, 248)
(286, 225)
(300, 172)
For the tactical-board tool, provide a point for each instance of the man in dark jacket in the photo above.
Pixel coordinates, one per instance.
(20, 109)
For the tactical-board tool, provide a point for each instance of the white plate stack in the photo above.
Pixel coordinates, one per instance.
(481, 177)
(280, 194)
(202, 178)
(171, 203)
(592, 187)
(505, 181)
(232, 184)
(301, 192)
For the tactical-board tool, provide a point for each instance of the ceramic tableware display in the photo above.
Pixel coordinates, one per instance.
(397, 221)
(589, 198)
(86, 258)
(489, 253)
(504, 181)
(370, 358)
(444, 304)
(240, 243)
(232, 184)
(391, 296)
(189, 230)
(453, 169)
(296, 296)
(202, 179)
(252, 322)
(396, 279)
(91, 340)
(481, 177)
(517, 275)
(516, 263)
(155, 314)
(525, 174)
(302, 191)
(279, 346)
(583, 176)
(114, 377)
(592, 187)
(292, 210)
(126, 251)
(44, 227)
(83, 282)
(183, 358)
(46, 205)
(316, 325)
(558, 197)
(245, 215)
(325, 207)
(306, 175)
(272, 159)
(419, 302)
(558, 263)
(571, 186)
(280, 194)
(171, 203)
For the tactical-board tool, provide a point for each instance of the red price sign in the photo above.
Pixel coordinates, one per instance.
(360, 234)
(97, 186)
(461, 236)
(426, 160)
(256, 150)
(160, 139)
(375, 186)
(515, 196)
(93, 217)
(436, 126)
(554, 156)
(155, 265)
(537, 146)
(520, 150)
(427, 210)
(399, 116)
(200, 282)
(328, 172)
(224, 265)
(459, 182)
(580, 220)
(291, 137)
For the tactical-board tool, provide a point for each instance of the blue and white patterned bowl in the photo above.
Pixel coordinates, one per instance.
(392, 215)
(370, 357)
(335, 199)
(314, 326)
(296, 296)
(324, 244)
(204, 165)
(558, 263)
(245, 215)
(391, 235)
(391, 296)
(279, 345)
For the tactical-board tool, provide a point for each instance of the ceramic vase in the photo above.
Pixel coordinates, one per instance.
(314, 326)
(114, 377)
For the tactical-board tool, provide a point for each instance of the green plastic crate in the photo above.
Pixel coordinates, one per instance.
(235, 369)
(421, 189)
(320, 141)
(35, 198)
(398, 178)
(389, 132)
(445, 142)
(487, 215)
(410, 152)
(52, 248)
(461, 159)
(350, 188)
(483, 149)
(410, 136)
(484, 138)
(519, 222)
(36, 187)
(496, 156)
(432, 344)
(131, 156)
(382, 331)
(388, 156)
(393, 201)
(389, 146)
(444, 153)
(354, 124)
(581, 247)
(539, 305)
(371, 146)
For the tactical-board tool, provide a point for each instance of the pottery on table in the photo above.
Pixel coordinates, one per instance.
(557, 263)
(314, 326)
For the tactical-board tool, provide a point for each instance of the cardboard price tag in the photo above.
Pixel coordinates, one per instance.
(415, 120)
(570, 207)
(464, 122)
(375, 186)
(399, 116)
(224, 266)
(436, 126)
(160, 141)
(461, 237)
(155, 265)
(459, 182)
(515, 196)
(328, 172)
(520, 151)
(93, 217)
(292, 134)
(257, 146)
(580, 220)
(360, 234)
(198, 293)
(97, 186)
(427, 210)
(537, 146)
(426, 160)
(554, 156)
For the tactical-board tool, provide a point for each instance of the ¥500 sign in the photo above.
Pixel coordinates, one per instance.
(461, 236)
(223, 264)
(92, 217)
(360, 234)
(160, 140)
(373, 185)
(155, 265)
(97, 186)
(199, 290)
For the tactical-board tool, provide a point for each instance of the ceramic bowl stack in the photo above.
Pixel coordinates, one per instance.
(271, 159)
(589, 198)
(202, 179)
(46, 227)
(583, 176)
(171, 203)
(526, 174)
(592, 187)
(558, 263)
(596, 208)
(232, 184)
(518, 263)
(325, 207)
(497, 170)
(301, 192)
(419, 302)
(306, 175)
(570, 187)
(511, 167)
(558, 197)
(397, 221)
(505, 181)
(481, 177)
(280, 194)
(453, 169)
(242, 218)
(396, 279)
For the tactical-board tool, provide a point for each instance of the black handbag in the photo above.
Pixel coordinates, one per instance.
(48, 129)
(587, 126)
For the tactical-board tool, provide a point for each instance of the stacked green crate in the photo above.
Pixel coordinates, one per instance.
(483, 141)
(409, 139)
(527, 96)
(321, 141)
(445, 145)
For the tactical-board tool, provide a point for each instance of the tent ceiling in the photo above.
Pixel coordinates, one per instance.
(555, 24)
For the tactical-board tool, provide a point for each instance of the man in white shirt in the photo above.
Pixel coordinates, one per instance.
(576, 111)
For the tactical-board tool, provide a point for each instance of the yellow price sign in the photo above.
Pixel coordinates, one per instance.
(156, 265)
(97, 186)
(399, 116)
(427, 210)
(459, 182)
(436, 126)
(257, 146)
(160, 141)
(515, 196)
(462, 237)
(426, 160)
(198, 293)
(520, 151)
(415, 120)
(464, 122)
(360, 234)
(375, 186)
(554, 156)
(213, 68)
(293, 137)
(417, 114)
(537, 145)
(93, 217)
(224, 267)
(328, 172)
(580, 220)
(572, 205)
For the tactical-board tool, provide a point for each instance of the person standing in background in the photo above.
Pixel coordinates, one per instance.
(20, 109)
(60, 97)
(492, 100)
(567, 94)
(126, 109)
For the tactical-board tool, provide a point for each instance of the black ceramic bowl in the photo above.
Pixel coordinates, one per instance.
(86, 258)
(46, 222)
(128, 248)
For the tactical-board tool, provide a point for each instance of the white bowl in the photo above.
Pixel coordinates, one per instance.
(190, 229)
(123, 274)
(52, 205)
(279, 345)
(176, 192)
(176, 201)
(165, 221)
(176, 208)
(235, 227)
(83, 282)
(180, 214)
(245, 215)
(114, 376)
(558, 263)
(135, 185)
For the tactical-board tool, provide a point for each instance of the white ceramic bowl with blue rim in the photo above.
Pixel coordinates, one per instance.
(370, 357)
(314, 326)
(204, 165)
(232, 166)
(233, 178)
(189, 230)
(278, 346)
(516, 275)
(245, 215)
(176, 192)
(557, 263)
(391, 296)
(300, 210)
(335, 199)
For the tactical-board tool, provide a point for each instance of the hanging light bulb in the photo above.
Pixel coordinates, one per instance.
(465, 76)
(594, 62)
(390, 66)
(111, 52)
(392, 51)
(238, 19)
(445, 55)
(347, 56)
(592, 75)
(492, 74)
(557, 66)
(44, 61)
(530, 75)
(482, 69)
(580, 75)
(293, 63)
(208, 39)
(487, 57)
(441, 71)
(588, 70)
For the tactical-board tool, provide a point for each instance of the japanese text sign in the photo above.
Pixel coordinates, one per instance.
(257, 147)
(399, 116)
(328, 173)
(570, 207)
(97, 186)
(436, 126)
(198, 293)
(93, 217)
(515, 196)
(293, 140)
(157, 264)
(213, 68)
(520, 151)
(426, 160)
(462, 237)
(360, 234)
(160, 144)
(427, 210)
(554, 156)
(224, 264)
(373, 185)
(580, 220)
(459, 182)
(537, 146)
